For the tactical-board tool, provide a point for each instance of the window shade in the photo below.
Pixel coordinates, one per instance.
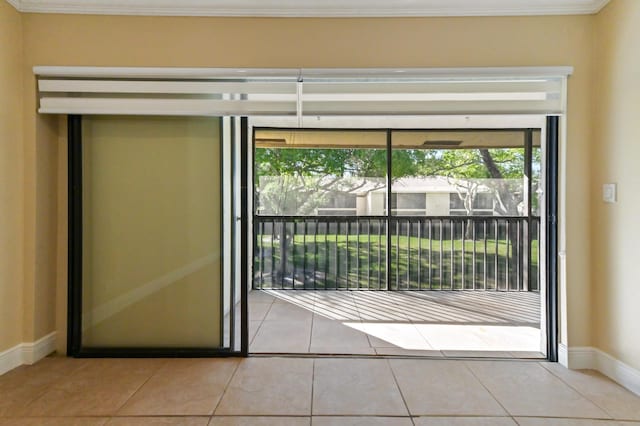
(298, 92)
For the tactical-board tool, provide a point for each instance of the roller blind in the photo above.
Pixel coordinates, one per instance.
(301, 92)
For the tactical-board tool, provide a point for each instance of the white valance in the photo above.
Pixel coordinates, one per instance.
(301, 92)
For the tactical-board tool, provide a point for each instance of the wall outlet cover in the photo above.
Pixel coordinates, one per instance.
(609, 193)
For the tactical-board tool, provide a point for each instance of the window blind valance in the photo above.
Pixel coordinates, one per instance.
(301, 92)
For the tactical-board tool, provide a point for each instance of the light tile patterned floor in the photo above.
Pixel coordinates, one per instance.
(434, 324)
(288, 391)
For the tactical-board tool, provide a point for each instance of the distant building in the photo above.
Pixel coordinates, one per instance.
(411, 196)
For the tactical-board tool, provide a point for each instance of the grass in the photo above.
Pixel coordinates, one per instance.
(335, 261)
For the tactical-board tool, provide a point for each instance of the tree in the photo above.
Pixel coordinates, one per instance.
(474, 170)
(307, 177)
(296, 181)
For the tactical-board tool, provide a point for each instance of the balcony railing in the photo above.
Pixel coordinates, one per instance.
(425, 253)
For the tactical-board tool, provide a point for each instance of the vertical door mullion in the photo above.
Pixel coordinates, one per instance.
(244, 235)
(389, 193)
(551, 193)
(74, 313)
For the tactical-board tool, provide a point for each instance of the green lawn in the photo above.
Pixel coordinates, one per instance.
(335, 261)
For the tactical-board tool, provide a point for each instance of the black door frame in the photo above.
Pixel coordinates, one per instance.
(551, 210)
(74, 289)
(551, 236)
(74, 292)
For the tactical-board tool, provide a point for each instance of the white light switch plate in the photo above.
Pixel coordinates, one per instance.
(609, 191)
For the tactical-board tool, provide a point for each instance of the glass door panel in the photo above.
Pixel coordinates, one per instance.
(319, 212)
(151, 232)
(460, 209)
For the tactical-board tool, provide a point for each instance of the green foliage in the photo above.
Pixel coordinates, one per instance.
(454, 163)
(308, 177)
(462, 163)
(323, 162)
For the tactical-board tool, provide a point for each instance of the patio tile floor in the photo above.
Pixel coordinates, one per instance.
(434, 324)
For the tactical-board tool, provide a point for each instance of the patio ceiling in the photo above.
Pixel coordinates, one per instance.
(419, 139)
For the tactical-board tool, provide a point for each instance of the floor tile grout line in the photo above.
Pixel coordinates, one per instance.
(226, 387)
(313, 385)
(427, 340)
(431, 346)
(602, 419)
(164, 363)
(578, 391)
(463, 416)
(264, 318)
(261, 322)
(82, 367)
(384, 416)
(43, 392)
(110, 416)
(395, 380)
(465, 364)
(293, 416)
(313, 316)
(362, 320)
(611, 417)
(532, 416)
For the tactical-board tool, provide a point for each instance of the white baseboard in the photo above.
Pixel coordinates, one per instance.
(27, 353)
(10, 359)
(580, 358)
(617, 370)
(34, 352)
(563, 355)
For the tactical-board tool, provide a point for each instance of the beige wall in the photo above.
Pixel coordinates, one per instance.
(11, 180)
(40, 219)
(615, 158)
(242, 42)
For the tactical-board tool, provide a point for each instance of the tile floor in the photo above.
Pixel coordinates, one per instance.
(434, 324)
(316, 391)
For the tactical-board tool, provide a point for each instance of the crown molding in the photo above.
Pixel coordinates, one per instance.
(314, 8)
(17, 4)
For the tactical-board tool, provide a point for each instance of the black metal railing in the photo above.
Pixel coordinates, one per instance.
(425, 253)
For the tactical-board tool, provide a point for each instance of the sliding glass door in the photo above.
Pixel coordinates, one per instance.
(463, 209)
(150, 223)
